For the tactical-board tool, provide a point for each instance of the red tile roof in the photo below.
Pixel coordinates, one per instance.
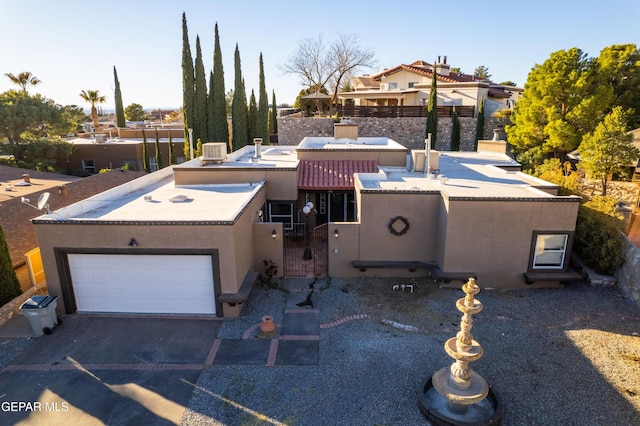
(332, 174)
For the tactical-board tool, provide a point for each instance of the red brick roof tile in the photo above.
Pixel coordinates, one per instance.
(332, 174)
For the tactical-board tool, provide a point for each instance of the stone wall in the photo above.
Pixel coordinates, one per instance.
(408, 131)
(629, 275)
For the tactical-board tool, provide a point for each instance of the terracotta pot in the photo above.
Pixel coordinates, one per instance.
(267, 325)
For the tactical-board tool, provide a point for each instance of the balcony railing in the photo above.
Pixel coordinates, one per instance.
(401, 111)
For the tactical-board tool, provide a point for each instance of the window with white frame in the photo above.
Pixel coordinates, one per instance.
(281, 212)
(153, 164)
(393, 86)
(550, 251)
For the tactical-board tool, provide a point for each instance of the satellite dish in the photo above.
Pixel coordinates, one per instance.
(42, 200)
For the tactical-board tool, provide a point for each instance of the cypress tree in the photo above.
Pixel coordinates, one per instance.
(239, 107)
(210, 109)
(273, 115)
(200, 128)
(171, 160)
(262, 124)
(455, 131)
(253, 118)
(479, 125)
(432, 110)
(219, 127)
(120, 120)
(158, 152)
(145, 154)
(188, 85)
(9, 284)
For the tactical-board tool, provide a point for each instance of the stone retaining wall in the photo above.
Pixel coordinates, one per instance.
(12, 308)
(408, 131)
(629, 275)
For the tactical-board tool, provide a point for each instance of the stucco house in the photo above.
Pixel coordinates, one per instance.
(409, 85)
(191, 239)
(122, 148)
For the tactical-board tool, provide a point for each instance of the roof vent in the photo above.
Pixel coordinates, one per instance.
(214, 152)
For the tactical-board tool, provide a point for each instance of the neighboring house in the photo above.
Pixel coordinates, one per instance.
(122, 148)
(15, 216)
(190, 239)
(409, 85)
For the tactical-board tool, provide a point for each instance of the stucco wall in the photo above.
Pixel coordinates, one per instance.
(408, 131)
(281, 184)
(460, 235)
(629, 275)
(476, 240)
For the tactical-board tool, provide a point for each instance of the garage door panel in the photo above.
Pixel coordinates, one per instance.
(173, 284)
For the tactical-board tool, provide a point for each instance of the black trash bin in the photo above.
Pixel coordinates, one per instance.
(41, 313)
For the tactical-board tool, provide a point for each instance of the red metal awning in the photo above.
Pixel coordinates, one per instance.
(327, 175)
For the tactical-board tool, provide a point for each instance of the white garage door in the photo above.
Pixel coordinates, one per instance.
(159, 284)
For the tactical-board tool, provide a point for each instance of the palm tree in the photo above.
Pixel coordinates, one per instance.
(93, 97)
(24, 79)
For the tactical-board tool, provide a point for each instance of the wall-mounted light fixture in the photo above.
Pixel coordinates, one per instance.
(133, 243)
(336, 234)
(274, 234)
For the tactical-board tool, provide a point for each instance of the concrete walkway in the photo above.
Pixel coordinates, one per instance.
(295, 341)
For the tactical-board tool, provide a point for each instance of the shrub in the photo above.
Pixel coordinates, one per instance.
(598, 238)
(266, 279)
(9, 284)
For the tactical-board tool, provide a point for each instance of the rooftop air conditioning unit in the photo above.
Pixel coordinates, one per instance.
(214, 152)
(384, 86)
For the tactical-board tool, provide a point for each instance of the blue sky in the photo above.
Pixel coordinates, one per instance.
(73, 45)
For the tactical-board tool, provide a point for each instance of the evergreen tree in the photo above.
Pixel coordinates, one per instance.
(210, 109)
(253, 118)
(239, 107)
(171, 160)
(9, 284)
(479, 125)
(158, 152)
(262, 125)
(145, 154)
(609, 150)
(432, 111)
(200, 128)
(120, 121)
(273, 115)
(455, 131)
(188, 85)
(219, 127)
(561, 103)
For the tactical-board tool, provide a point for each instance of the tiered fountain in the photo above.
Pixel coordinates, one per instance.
(458, 395)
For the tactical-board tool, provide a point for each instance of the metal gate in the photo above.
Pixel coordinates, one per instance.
(320, 250)
(305, 253)
(295, 243)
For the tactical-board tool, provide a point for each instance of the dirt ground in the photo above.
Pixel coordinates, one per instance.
(421, 303)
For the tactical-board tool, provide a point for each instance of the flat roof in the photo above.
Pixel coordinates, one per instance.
(272, 157)
(157, 199)
(343, 144)
(462, 174)
(122, 141)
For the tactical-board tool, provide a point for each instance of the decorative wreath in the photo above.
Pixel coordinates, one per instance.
(392, 225)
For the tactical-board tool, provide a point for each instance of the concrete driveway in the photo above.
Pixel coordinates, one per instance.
(107, 370)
